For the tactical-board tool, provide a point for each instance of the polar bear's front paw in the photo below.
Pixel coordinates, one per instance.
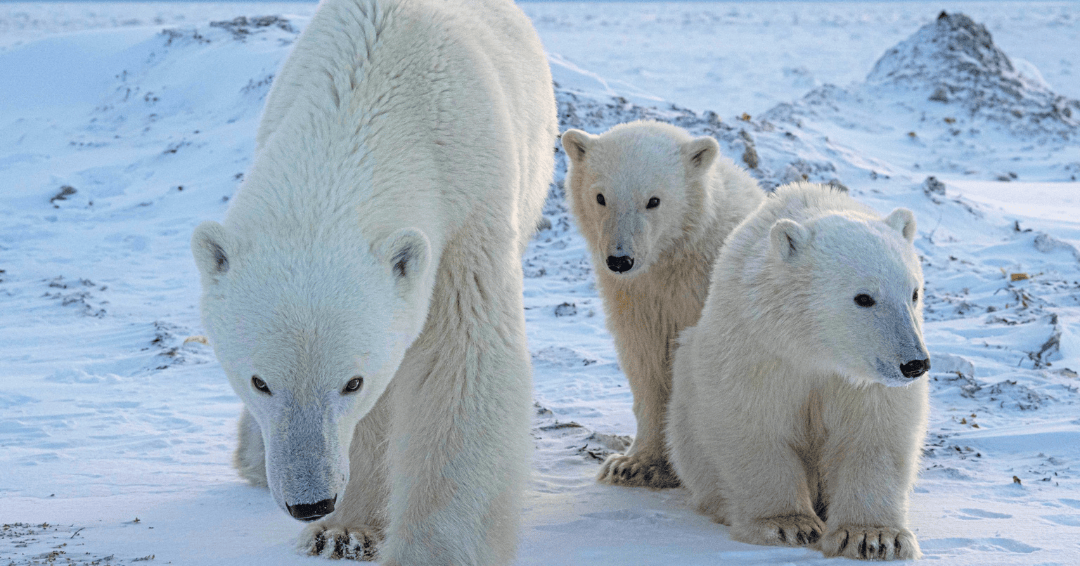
(635, 470)
(784, 530)
(336, 542)
(871, 543)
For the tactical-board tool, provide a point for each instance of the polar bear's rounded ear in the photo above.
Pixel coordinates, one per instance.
(576, 144)
(699, 153)
(788, 238)
(902, 220)
(210, 244)
(407, 253)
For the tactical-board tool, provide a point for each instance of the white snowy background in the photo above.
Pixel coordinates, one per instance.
(123, 125)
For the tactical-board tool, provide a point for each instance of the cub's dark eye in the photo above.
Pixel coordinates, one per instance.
(653, 203)
(915, 296)
(864, 300)
(353, 385)
(600, 199)
(260, 385)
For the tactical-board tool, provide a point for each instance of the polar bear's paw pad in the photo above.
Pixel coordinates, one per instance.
(637, 471)
(871, 543)
(784, 530)
(339, 542)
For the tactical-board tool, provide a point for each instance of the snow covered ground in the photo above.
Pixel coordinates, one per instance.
(124, 125)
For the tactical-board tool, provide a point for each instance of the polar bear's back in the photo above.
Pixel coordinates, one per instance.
(447, 100)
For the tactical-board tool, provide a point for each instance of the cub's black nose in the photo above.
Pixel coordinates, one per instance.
(312, 511)
(915, 368)
(620, 264)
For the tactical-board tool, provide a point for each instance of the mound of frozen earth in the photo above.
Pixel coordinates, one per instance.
(946, 99)
(954, 61)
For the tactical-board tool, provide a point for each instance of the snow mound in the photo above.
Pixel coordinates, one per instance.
(953, 60)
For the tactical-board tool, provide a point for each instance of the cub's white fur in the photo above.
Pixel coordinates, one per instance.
(402, 162)
(657, 283)
(791, 419)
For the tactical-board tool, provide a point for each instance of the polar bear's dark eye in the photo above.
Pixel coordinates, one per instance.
(653, 203)
(600, 199)
(260, 385)
(353, 385)
(915, 296)
(864, 300)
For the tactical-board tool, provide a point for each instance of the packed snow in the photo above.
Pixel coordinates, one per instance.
(124, 125)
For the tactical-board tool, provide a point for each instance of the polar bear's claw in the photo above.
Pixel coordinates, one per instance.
(340, 542)
(871, 543)
(634, 470)
(785, 530)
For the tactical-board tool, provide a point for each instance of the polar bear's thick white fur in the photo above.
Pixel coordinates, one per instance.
(364, 293)
(798, 408)
(655, 206)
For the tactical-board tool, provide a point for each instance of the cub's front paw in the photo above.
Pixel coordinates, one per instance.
(635, 470)
(871, 543)
(336, 541)
(783, 530)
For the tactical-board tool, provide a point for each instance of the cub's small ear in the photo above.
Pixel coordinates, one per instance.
(788, 238)
(407, 253)
(902, 220)
(699, 153)
(211, 246)
(576, 144)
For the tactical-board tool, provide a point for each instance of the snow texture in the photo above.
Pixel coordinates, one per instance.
(125, 125)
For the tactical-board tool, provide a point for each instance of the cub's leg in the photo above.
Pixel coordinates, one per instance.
(689, 456)
(771, 501)
(875, 458)
(867, 504)
(768, 489)
(647, 369)
(355, 529)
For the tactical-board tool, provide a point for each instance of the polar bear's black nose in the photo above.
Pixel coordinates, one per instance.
(312, 511)
(620, 264)
(915, 368)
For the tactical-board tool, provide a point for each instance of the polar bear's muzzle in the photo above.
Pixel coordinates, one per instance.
(306, 468)
(621, 244)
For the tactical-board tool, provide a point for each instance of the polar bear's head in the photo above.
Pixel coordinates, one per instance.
(310, 336)
(637, 189)
(860, 285)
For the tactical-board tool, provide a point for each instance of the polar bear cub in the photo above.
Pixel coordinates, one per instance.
(654, 205)
(364, 292)
(799, 408)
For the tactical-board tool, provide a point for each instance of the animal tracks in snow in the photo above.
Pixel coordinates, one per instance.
(976, 514)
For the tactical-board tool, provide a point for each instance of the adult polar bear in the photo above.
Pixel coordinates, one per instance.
(371, 265)
(797, 414)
